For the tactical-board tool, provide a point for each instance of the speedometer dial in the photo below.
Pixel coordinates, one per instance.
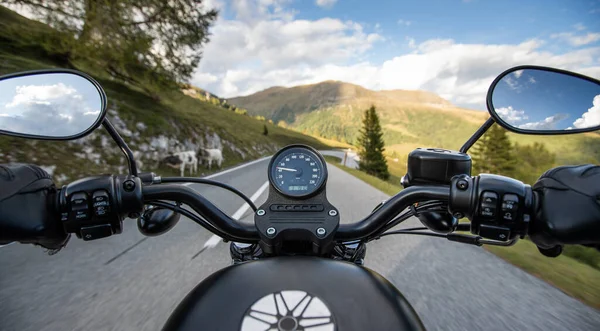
(297, 171)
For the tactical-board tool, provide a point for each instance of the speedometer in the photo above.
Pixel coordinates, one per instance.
(297, 171)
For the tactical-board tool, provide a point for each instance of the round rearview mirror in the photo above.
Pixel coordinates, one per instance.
(540, 100)
(54, 104)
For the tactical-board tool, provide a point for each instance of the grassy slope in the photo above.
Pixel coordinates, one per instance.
(573, 277)
(577, 279)
(175, 115)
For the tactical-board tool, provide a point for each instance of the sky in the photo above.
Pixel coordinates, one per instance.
(55, 105)
(454, 48)
(541, 100)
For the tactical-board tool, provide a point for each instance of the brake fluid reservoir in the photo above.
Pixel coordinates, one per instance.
(427, 166)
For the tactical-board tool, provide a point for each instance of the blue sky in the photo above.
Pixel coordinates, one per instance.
(454, 48)
(542, 100)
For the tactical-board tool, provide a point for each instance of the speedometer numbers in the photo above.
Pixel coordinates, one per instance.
(297, 171)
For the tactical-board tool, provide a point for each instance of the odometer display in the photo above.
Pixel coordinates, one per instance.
(297, 172)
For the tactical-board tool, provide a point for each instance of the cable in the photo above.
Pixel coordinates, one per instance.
(399, 219)
(213, 183)
(205, 224)
(415, 229)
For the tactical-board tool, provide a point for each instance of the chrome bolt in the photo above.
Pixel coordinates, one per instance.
(333, 212)
(260, 212)
(271, 231)
(321, 231)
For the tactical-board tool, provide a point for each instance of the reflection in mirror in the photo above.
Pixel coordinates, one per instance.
(541, 100)
(54, 105)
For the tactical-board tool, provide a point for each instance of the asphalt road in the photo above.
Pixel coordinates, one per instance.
(130, 282)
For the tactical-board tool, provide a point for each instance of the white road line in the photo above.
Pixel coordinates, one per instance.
(232, 169)
(214, 240)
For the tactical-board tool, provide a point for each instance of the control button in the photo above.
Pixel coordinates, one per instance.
(101, 203)
(96, 232)
(79, 207)
(494, 232)
(79, 201)
(510, 207)
(488, 204)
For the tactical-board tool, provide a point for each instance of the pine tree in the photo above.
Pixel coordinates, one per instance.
(371, 146)
(493, 153)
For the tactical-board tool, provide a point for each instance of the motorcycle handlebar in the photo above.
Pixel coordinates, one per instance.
(246, 232)
(217, 218)
(378, 219)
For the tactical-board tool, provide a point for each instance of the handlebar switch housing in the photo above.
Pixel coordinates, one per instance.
(94, 207)
(499, 207)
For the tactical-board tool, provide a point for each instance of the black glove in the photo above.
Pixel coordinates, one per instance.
(568, 208)
(27, 212)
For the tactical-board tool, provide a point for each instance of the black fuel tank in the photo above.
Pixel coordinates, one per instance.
(294, 293)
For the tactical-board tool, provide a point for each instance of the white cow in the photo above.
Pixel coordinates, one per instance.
(181, 160)
(210, 155)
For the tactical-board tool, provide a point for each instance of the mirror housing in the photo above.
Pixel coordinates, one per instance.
(544, 101)
(53, 104)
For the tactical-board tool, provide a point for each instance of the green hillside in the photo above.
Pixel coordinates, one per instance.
(410, 119)
(152, 128)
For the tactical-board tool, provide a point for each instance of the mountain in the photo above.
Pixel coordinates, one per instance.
(153, 127)
(333, 109)
(280, 103)
(410, 119)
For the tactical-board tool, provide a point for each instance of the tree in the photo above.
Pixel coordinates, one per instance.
(493, 153)
(533, 160)
(265, 130)
(131, 39)
(371, 146)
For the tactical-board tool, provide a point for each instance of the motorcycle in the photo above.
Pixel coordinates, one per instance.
(293, 264)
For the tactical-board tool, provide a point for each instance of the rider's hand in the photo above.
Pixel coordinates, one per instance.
(568, 207)
(26, 207)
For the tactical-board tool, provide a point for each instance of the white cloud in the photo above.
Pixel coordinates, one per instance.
(325, 3)
(579, 27)
(41, 94)
(511, 116)
(518, 73)
(532, 80)
(590, 118)
(404, 22)
(52, 110)
(411, 42)
(574, 40)
(549, 123)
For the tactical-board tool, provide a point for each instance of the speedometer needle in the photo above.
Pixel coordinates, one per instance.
(287, 169)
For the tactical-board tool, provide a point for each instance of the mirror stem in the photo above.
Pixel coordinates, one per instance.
(123, 145)
(488, 124)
